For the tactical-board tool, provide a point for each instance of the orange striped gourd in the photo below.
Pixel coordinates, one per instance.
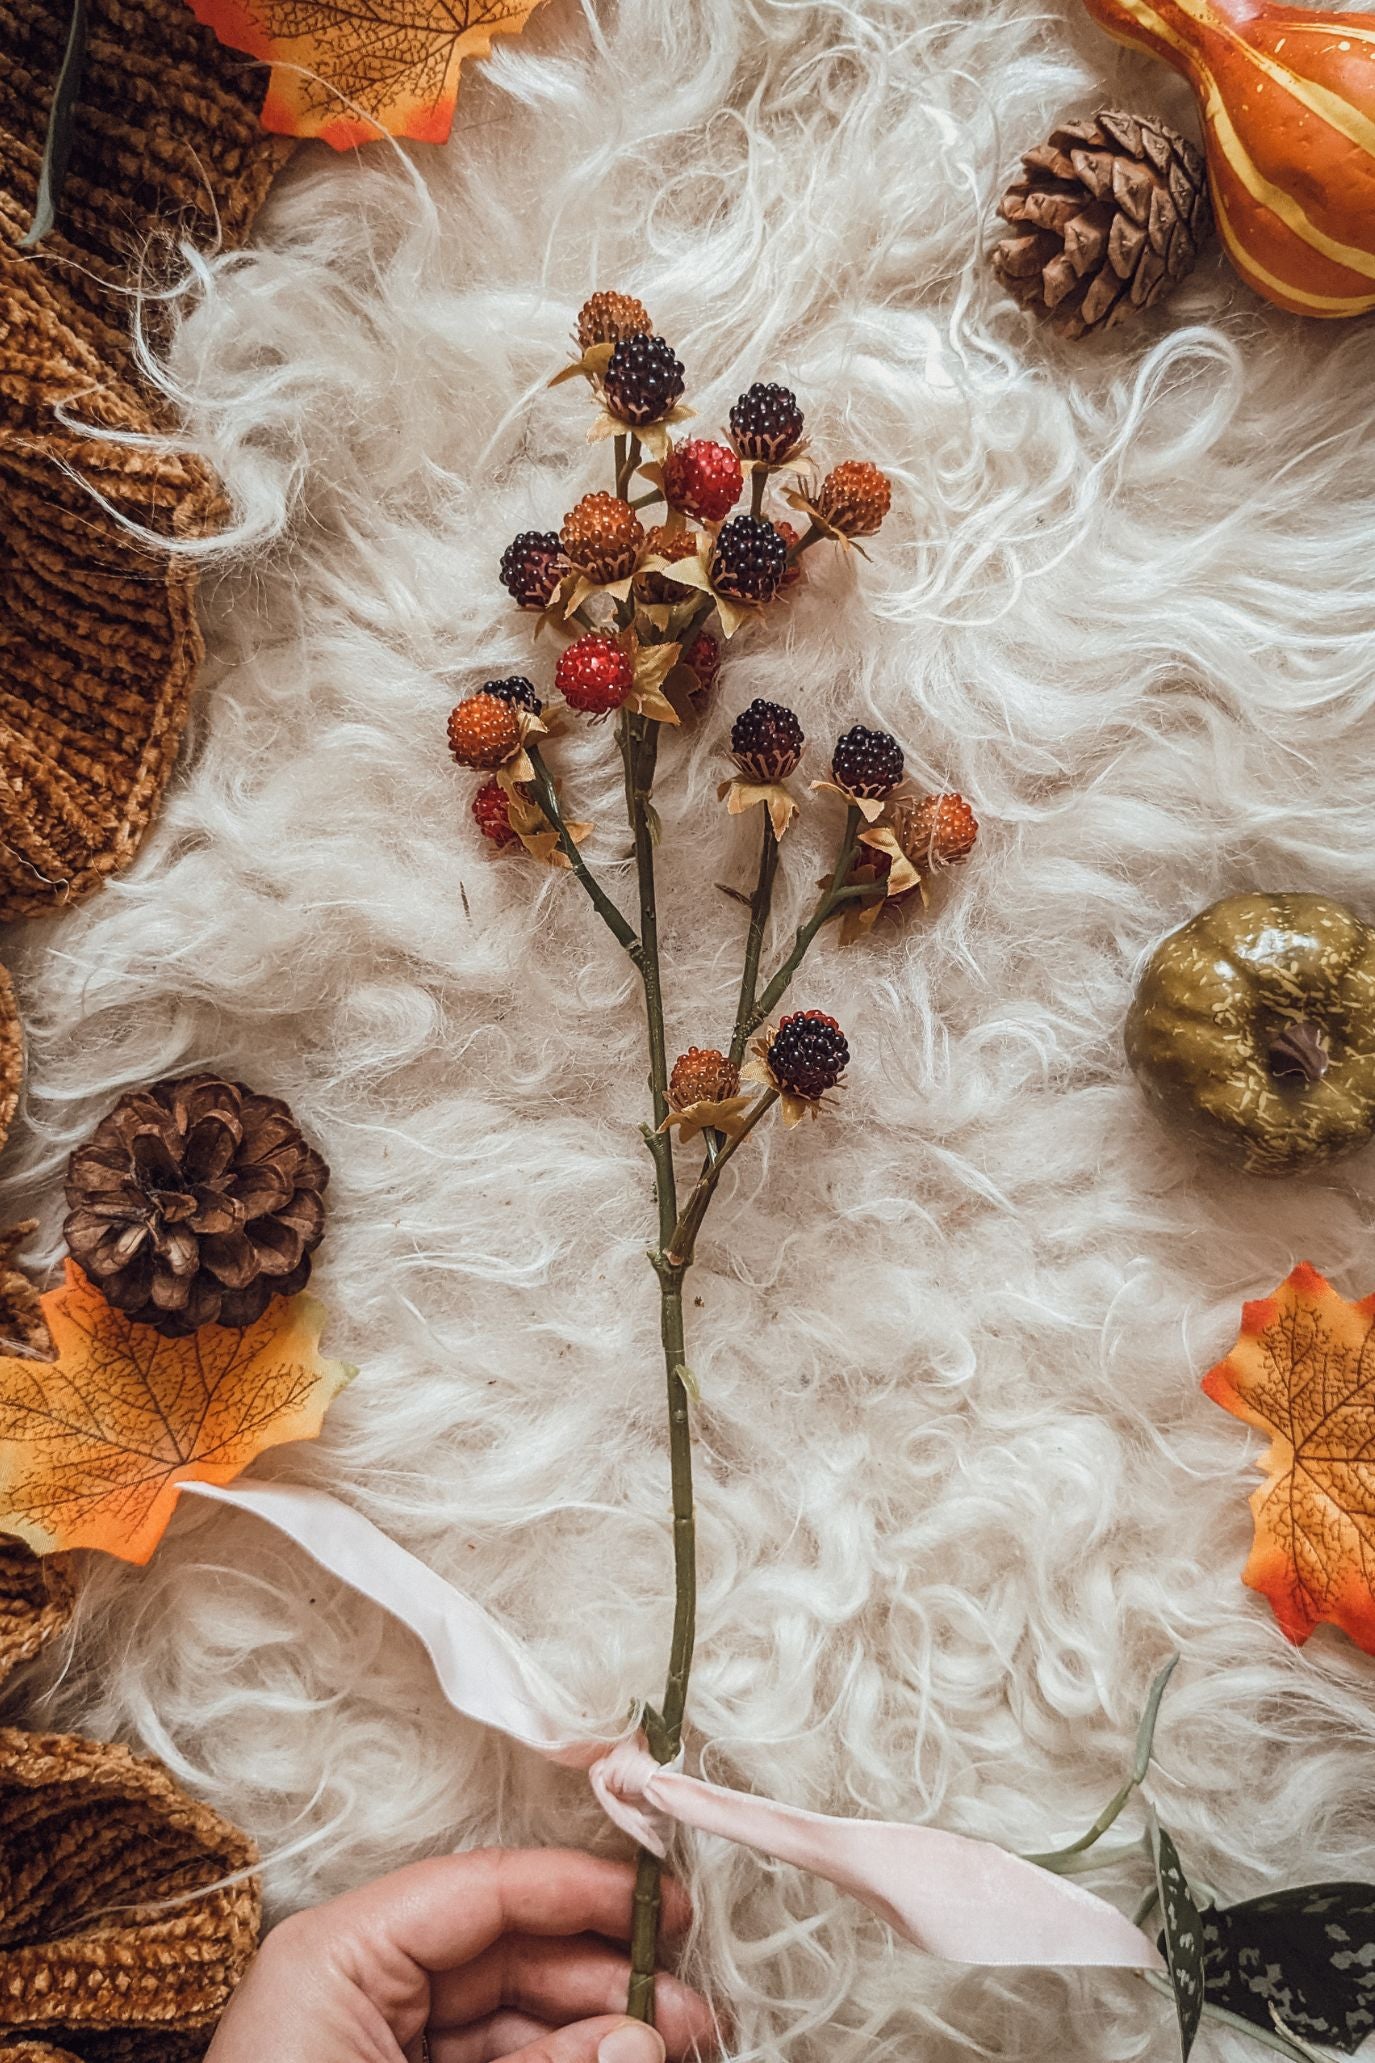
(1287, 100)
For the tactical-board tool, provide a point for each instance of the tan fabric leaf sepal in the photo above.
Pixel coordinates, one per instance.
(870, 807)
(781, 805)
(728, 1116)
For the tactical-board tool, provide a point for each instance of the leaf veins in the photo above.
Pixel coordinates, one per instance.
(349, 71)
(94, 1443)
(1303, 1371)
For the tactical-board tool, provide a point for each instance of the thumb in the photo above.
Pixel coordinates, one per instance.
(608, 2040)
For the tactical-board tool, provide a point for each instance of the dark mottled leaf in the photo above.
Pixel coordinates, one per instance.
(1308, 1953)
(1182, 1935)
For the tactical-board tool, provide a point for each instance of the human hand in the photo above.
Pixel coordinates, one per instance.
(496, 1954)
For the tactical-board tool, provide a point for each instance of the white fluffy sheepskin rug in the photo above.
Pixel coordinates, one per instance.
(960, 1493)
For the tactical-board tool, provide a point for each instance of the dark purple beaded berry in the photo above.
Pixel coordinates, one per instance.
(532, 566)
(643, 380)
(749, 560)
(868, 763)
(766, 741)
(766, 422)
(808, 1054)
(516, 690)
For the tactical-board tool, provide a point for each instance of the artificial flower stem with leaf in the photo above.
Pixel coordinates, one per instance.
(1064, 1860)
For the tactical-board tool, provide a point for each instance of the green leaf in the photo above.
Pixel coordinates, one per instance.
(1145, 1732)
(57, 145)
(1067, 1861)
(1182, 1938)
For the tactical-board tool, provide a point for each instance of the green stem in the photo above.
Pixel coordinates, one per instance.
(627, 458)
(1057, 1858)
(832, 896)
(644, 1936)
(642, 501)
(754, 939)
(601, 901)
(639, 743)
(759, 480)
(683, 1245)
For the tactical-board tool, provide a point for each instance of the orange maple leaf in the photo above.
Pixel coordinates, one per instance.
(94, 1444)
(349, 71)
(1303, 1370)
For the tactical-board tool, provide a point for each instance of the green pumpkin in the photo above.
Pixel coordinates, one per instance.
(1254, 1027)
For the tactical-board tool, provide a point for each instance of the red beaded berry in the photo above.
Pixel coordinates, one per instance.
(766, 422)
(607, 317)
(703, 480)
(867, 763)
(702, 1075)
(517, 690)
(532, 566)
(663, 543)
(938, 831)
(749, 560)
(808, 1054)
(703, 655)
(643, 381)
(594, 675)
(484, 731)
(492, 813)
(602, 537)
(854, 498)
(766, 741)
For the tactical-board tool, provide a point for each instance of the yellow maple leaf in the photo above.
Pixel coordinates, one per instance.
(94, 1443)
(349, 71)
(1303, 1371)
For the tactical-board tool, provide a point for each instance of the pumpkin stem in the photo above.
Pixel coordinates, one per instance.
(1299, 1053)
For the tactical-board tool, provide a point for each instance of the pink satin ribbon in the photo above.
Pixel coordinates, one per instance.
(966, 1900)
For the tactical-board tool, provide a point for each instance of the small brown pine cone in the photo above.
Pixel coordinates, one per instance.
(854, 498)
(1108, 216)
(606, 318)
(663, 543)
(195, 1202)
(702, 1075)
(602, 537)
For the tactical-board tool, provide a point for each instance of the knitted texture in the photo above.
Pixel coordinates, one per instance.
(118, 1939)
(35, 1604)
(23, 1328)
(99, 643)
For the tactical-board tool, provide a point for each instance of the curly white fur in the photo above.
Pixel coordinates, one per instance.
(959, 1490)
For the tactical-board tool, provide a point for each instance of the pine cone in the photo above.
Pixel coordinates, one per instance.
(195, 1202)
(1110, 216)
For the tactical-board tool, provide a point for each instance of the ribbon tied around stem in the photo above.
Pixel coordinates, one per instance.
(963, 1899)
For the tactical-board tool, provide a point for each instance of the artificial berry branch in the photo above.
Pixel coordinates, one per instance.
(630, 608)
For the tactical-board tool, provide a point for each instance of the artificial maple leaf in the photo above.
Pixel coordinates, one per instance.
(349, 71)
(1303, 1371)
(94, 1444)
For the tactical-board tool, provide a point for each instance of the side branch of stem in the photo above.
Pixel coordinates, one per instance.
(832, 896)
(615, 923)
